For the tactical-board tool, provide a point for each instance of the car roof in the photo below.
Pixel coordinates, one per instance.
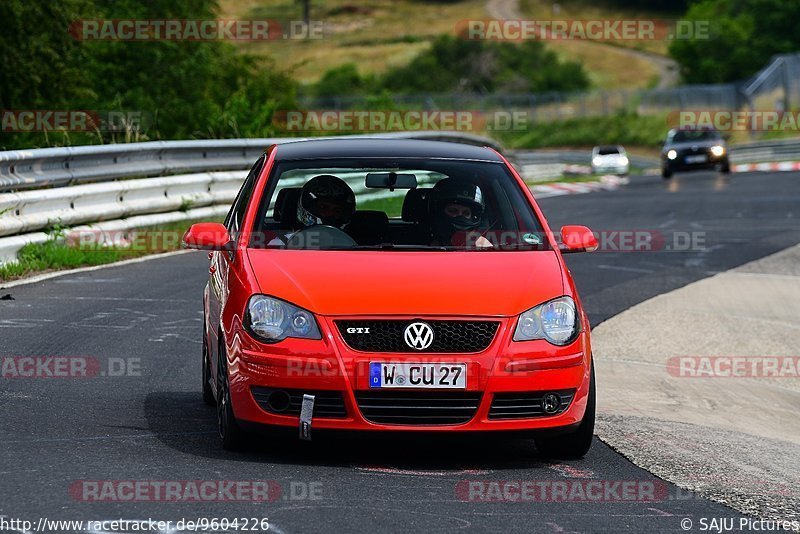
(609, 147)
(381, 148)
(693, 129)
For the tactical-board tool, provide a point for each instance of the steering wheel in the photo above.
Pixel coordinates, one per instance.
(320, 237)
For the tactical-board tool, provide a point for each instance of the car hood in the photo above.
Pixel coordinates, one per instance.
(409, 283)
(689, 144)
(608, 158)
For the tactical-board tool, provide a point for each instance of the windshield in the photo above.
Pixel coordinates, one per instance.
(608, 151)
(410, 204)
(694, 135)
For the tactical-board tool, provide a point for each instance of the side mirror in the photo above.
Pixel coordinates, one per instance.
(207, 236)
(578, 239)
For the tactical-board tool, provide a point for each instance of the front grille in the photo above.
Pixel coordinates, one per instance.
(327, 404)
(388, 335)
(683, 152)
(418, 408)
(526, 405)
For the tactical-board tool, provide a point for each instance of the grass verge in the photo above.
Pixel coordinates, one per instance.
(622, 129)
(56, 255)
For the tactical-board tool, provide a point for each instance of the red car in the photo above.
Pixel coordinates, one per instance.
(395, 286)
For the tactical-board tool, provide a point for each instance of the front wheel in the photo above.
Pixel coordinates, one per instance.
(577, 443)
(666, 173)
(232, 436)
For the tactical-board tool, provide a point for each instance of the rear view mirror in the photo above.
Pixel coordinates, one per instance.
(391, 180)
(578, 239)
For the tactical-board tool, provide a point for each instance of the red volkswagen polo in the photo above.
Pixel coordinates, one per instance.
(395, 286)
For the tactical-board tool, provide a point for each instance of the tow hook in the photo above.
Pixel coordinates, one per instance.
(306, 413)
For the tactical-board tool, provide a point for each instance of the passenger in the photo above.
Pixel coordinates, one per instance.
(456, 209)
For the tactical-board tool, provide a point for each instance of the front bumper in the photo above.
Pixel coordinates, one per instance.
(619, 170)
(681, 163)
(329, 368)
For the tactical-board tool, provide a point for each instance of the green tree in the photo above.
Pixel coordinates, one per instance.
(190, 89)
(40, 60)
(744, 35)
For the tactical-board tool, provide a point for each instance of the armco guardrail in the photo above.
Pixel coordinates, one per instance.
(27, 211)
(574, 157)
(755, 152)
(26, 169)
(766, 151)
(43, 194)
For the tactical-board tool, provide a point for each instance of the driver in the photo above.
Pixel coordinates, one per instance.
(326, 199)
(456, 208)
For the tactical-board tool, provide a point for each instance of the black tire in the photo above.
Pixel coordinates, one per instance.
(577, 443)
(666, 173)
(232, 436)
(726, 167)
(208, 393)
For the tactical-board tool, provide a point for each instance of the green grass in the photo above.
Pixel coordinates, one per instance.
(56, 255)
(622, 129)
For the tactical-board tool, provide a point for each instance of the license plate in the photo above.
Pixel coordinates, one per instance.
(418, 375)
(702, 158)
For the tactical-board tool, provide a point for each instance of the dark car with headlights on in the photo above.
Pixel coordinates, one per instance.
(694, 149)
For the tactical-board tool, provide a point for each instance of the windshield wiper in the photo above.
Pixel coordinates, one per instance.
(392, 246)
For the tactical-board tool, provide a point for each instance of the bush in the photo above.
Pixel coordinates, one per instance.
(474, 66)
(464, 66)
(342, 81)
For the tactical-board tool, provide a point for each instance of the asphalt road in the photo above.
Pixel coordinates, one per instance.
(57, 432)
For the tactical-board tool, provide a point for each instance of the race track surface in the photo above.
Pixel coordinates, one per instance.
(59, 432)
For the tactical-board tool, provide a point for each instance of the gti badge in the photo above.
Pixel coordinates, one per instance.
(418, 336)
(361, 330)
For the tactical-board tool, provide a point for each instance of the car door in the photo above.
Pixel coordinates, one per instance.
(221, 261)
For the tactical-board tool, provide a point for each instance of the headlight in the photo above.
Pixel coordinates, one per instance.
(672, 154)
(718, 150)
(555, 321)
(597, 162)
(270, 320)
(623, 160)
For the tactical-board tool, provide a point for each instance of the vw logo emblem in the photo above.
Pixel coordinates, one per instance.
(418, 336)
